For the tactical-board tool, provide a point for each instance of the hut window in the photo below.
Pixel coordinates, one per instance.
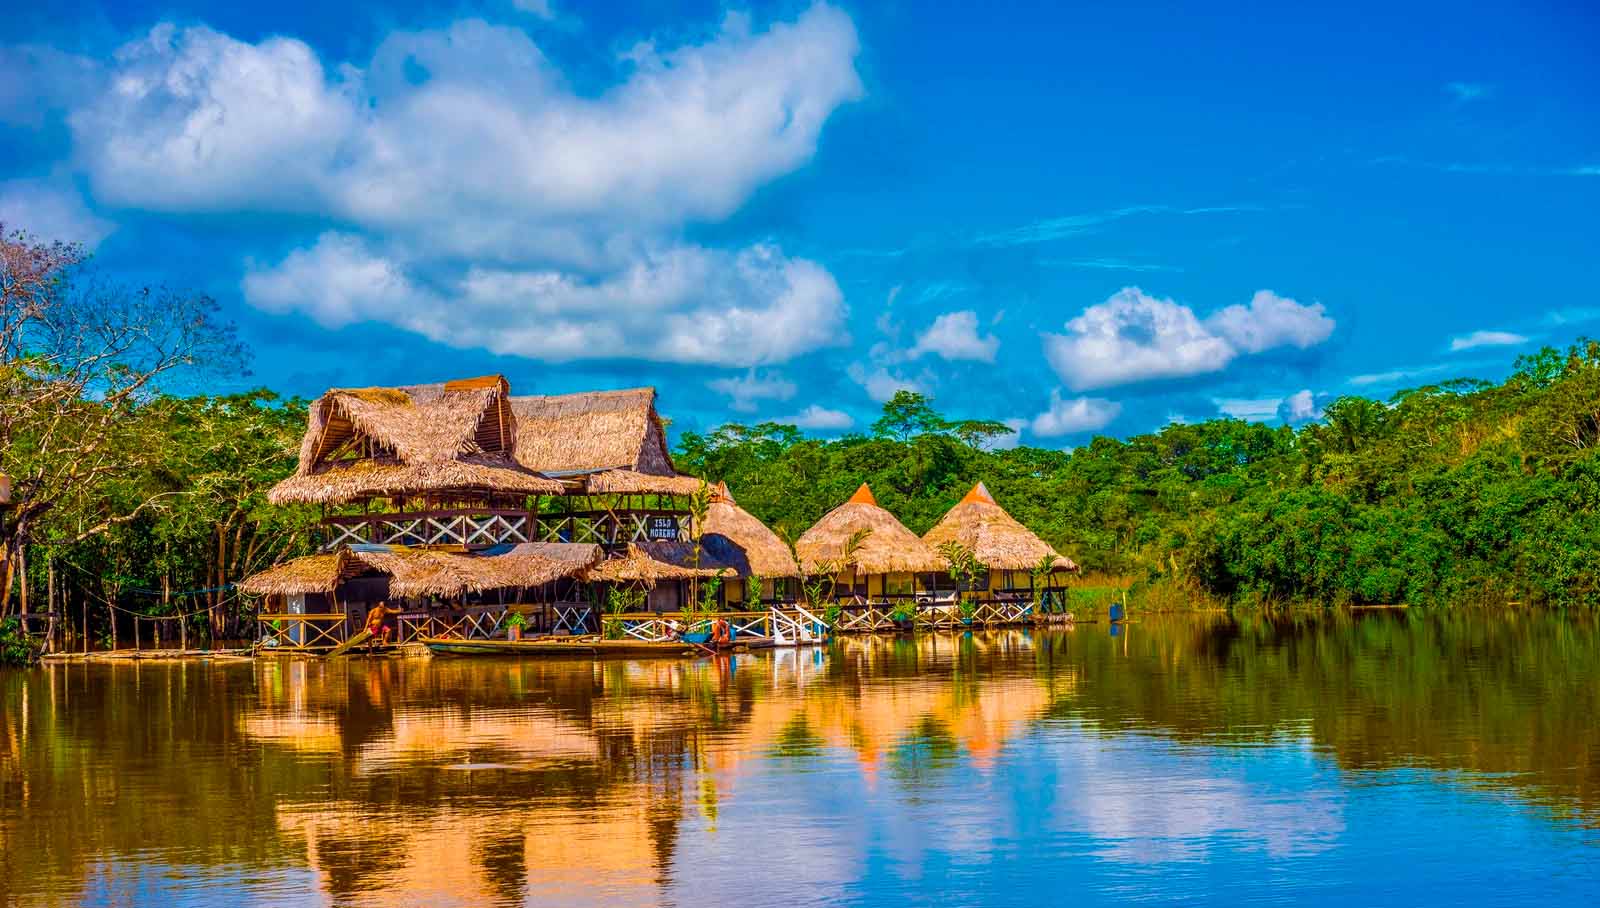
(899, 585)
(980, 581)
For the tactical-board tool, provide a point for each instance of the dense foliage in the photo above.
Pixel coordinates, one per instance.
(1456, 492)
(125, 494)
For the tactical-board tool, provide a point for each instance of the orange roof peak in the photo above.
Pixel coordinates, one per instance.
(863, 495)
(980, 492)
(719, 492)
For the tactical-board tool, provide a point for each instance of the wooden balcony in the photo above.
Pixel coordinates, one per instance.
(615, 528)
(472, 528)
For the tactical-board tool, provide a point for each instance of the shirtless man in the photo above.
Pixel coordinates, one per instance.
(378, 625)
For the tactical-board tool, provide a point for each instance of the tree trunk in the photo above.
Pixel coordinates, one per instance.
(22, 570)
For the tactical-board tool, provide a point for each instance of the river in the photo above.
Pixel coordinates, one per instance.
(1377, 758)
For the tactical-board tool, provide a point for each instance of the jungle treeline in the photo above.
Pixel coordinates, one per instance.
(1464, 491)
(131, 494)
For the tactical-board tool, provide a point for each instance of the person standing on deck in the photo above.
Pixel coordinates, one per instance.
(378, 625)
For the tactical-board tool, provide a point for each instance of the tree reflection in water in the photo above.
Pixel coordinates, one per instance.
(416, 780)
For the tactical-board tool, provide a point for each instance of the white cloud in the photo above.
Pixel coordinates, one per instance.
(744, 390)
(954, 336)
(821, 418)
(1257, 409)
(1134, 337)
(1272, 321)
(1078, 414)
(463, 132)
(478, 198)
(1301, 406)
(50, 213)
(1485, 339)
(1395, 375)
(1010, 440)
(1297, 407)
(539, 8)
(683, 305)
(881, 384)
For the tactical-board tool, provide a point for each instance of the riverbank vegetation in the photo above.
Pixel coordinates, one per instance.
(1457, 492)
(132, 494)
(126, 490)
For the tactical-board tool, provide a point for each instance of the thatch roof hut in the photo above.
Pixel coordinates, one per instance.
(649, 563)
(889, 548)
(611, 442)
(454, 436)
(472, 436)
(734, 537)
(311, 574)
(427, 572)
(996, 538)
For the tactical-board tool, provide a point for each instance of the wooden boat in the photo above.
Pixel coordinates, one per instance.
(586, 647)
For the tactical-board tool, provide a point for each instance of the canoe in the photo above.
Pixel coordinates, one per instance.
(587, 647)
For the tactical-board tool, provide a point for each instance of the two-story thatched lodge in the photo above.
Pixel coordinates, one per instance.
(453, 500)
(461, 504)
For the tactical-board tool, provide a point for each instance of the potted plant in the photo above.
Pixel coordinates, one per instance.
(514, 625)
(964, 570)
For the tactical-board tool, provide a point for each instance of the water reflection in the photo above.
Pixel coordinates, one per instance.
(1258, 759)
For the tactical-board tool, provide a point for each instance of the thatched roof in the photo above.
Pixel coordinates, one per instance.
(427, 572)
(472, 435)
(734, 537)
(889, 548)
(444, 437)
(585, 433)
(336, 484)
(631, 482)
(651, 562)
(311, 574)
(994, 536)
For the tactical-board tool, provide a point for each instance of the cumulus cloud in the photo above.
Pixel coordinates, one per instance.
(1297, 407)
(1272, 321)
(821, 419)
(479, 200)
(468, 131)
(745, 390)
(1134, 337)
(682, 305)
(1009, 440)
(880, 383)
(954, 336)
(1486, 339)
(1078, 414)
(50, 213)
(1300, 407)
(1254, 409)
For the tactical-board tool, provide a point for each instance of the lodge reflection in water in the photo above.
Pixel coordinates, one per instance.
(576, 782)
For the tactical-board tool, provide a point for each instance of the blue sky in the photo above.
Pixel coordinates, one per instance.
(1074, 219)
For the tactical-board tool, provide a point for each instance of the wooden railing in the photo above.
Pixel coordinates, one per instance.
(469, 528)
(301, 632)
(611, 529)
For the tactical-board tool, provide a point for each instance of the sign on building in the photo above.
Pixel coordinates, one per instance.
(663, 529)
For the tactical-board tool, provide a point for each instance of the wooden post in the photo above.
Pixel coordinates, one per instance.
(50, 603)
(22, 571)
